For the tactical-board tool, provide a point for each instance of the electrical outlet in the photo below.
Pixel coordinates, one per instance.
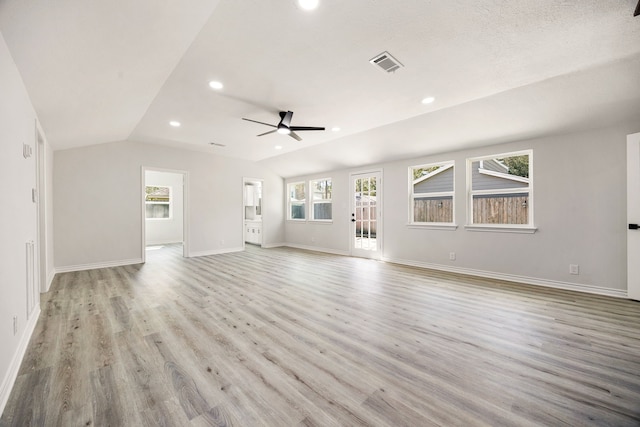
(574, 269)
(222, 242)
(452, 256)
(313, 240)
(15, 325)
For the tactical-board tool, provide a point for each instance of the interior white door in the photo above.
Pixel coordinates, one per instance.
(633, 216)
(366, 218)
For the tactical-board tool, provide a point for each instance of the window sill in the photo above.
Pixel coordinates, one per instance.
(434, 226)
(296, 220)
(321, 221)
(501, 229)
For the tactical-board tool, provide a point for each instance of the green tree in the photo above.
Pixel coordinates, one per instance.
(518, 165)
(366, 185)
(419, 172)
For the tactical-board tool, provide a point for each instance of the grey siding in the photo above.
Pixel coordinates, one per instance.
(487, 182)
(493, 165)
(438, 183)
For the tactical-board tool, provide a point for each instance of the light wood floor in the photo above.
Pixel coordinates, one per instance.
(282, 337)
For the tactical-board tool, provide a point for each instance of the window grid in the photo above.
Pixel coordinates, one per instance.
(297, 201)
(500, 190)
(158, 202)
(431, 194)
(321, 199)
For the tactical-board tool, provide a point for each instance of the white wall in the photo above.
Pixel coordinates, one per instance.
(98, 201)
(18, 217)
(163, 231)
(580, 212)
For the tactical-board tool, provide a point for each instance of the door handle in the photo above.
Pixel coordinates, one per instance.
(633, 226)
(353, 220)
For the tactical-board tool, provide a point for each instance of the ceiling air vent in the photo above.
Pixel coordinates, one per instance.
(386, 62)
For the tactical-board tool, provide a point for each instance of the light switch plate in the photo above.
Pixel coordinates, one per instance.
(27, 151)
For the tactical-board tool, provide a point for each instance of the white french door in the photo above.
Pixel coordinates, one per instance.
(366, 218)
(633, 216)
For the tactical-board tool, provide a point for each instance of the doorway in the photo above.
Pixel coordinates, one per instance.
(252, 193)
(633, 216)
(164, 209)
(366, 219)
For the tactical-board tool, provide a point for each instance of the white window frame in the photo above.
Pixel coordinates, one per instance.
(170, 203)
(505, 228)
(291, 203)
(320, 201)
(412, 196)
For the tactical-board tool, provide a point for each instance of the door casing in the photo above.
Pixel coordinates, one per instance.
(377, 254)
(185, 209)
(633, 216)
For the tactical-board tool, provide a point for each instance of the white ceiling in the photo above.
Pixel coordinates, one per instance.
(500, 70)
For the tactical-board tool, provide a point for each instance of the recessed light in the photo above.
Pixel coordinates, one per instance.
(308, 4)
(428, 100)
(174, 123)
(215, 85)
(335, 129)
(278, 147)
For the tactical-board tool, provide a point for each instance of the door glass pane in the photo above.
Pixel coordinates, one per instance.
(365, 208)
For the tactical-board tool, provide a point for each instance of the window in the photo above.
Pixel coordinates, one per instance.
(157, 202)
(431, 194)
(320, 190)
(297, 200)
(500, 190)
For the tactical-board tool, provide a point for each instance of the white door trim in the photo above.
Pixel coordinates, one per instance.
(633, 216)
(41, 206)
(378, 253)
(185, 208)
(261, 182)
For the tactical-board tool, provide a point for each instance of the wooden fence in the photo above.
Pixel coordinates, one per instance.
(366, 220)
(433, 210)
(505, 209)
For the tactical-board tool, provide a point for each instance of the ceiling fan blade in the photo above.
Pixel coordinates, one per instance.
(267, 133)
(305, 128)
(295, 136)
(262, 123)
(285, 118)
(637, 12)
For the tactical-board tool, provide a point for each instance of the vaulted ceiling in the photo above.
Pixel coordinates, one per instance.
(499, 70)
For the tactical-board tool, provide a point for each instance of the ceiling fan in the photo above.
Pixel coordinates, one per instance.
(284, 126)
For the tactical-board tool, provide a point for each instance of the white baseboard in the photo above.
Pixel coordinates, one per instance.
(12, 373)
(162, 242)
(273, 245)
(93, 266)
(317, 249)
(50, 275)
(214, 252)
(618, 293)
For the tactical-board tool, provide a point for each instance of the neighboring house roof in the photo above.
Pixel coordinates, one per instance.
(362, 198)
(494, 165)
(495, 168)
(432, 173)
